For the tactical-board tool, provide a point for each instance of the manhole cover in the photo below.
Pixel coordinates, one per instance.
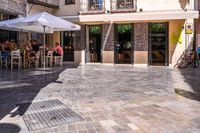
(43, 114)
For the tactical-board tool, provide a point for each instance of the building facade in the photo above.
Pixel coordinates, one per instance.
(128, 31)
(149, 32)
(10, 9)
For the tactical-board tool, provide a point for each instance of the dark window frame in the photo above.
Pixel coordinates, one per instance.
(69, 2)
(6, 34)
(123, 4)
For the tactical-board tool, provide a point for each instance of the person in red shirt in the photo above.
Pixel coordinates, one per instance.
(58, 51)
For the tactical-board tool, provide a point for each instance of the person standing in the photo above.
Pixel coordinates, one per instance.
(198, 51)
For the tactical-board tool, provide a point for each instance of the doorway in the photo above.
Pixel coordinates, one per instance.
(158, 44)
(68, 45)
(123, 44)
(94, 48)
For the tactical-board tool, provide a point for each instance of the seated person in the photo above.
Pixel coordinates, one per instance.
(1, 47)
(6, 46)
(58, 51)
(27, 46)
(13, 45)
(34, 45)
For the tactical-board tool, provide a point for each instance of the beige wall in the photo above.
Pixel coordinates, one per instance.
(31, 10)
(140, 57)
(108, 57)
(67, 10)
(79, 57)
(153, 5)
(145, 5)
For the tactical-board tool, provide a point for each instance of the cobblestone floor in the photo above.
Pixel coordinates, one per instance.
(110, 99)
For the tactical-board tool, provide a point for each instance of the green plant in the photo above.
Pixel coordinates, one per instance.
(158, 28)
(95, 29)
(123, 28)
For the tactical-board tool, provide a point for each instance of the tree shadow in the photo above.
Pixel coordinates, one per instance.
(22, 86)
(9, 128)
(188, 94)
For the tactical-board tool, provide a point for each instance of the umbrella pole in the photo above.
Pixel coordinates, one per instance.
(19, 41)
(44, 46)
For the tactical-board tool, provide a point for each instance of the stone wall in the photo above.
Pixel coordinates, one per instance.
(108, 37)
(15, 7)
(80, 39)
(141, 36)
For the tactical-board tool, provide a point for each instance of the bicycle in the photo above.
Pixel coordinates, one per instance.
(189, 60)
(195, 61)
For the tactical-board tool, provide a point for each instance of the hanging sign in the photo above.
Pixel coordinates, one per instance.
(188, 28)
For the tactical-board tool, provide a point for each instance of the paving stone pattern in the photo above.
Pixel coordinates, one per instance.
(111, 99)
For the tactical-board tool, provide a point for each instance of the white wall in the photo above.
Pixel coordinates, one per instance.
(146, 5)
(153, 5)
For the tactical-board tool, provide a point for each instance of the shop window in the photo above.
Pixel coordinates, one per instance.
(68, 2)
(5, 34)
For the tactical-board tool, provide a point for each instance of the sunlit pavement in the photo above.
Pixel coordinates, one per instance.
(110, 99)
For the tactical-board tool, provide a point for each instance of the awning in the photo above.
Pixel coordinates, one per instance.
(37, 22)
(136, 16)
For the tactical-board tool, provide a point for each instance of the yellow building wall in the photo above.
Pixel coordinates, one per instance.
(178, 40)
(56, 37)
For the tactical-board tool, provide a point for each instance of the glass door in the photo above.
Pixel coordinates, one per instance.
(123, 44)
(94, 47)
(68, 46)
(158, 44)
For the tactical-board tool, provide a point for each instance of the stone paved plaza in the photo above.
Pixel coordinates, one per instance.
(123, 99)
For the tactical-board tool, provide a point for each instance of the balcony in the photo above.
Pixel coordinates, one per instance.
(14, 7)
(120, 6)
(46, 3)
(92, 7)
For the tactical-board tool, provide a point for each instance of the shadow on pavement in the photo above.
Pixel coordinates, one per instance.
(188, 94)
(19, 86)
(9, 128)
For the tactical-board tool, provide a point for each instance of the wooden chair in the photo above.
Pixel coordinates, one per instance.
(33, 59)
(16, 59)
(120, 58)
(93, 57)
(49, 59)
(58, 60)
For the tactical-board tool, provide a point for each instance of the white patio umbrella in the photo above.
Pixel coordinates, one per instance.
(37, 22)
(42, 22)
(6, 24)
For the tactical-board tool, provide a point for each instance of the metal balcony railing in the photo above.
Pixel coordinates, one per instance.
(95, 5)
(13, 7)
(92, 7)
(123, 5)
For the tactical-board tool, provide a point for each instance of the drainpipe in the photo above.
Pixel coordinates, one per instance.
(194, 40)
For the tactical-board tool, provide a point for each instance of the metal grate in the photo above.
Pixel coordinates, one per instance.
(43, 114)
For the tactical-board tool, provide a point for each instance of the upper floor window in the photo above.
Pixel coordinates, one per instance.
(125, 3)
(67, 2)
(95, 4)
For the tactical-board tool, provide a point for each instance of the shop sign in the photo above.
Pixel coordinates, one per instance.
(188, 29)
